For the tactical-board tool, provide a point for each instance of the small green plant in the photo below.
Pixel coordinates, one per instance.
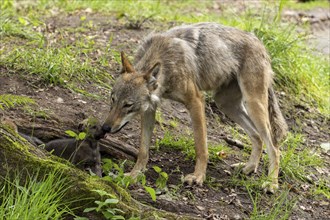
(160, 119)
(80, 136)
(34, 196)
(162, 178)
(322, 188)
(115, 173)
(106, 206)
(174, 123)
(142, 179)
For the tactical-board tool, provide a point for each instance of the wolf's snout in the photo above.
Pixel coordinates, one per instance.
(106, 128)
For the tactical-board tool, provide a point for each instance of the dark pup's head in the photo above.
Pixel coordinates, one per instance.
(92, 127)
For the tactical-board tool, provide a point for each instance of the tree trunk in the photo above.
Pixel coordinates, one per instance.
(17, 154)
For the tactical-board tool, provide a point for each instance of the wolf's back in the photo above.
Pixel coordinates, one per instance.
(209, 53)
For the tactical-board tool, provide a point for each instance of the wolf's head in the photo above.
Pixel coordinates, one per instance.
(132, 94)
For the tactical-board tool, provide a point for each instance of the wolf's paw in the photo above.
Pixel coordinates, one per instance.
(134, 173)
(192, 178)
(250, 168)
(270, 187)
(247, 168)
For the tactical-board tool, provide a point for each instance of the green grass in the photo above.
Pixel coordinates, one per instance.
(39, 197)
(184, 143)
(55, 66)
(10, 26)
(296, 162)
(321, 188)
(281, 208)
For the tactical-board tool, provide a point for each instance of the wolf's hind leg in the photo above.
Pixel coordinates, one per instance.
(229, 100)
(255, 96)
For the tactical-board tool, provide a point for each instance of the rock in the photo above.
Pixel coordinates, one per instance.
(201, 208)
(325, 146)
(237, 217)
(59, 100)
(88, 10)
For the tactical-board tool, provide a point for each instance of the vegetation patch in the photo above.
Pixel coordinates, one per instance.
(34, 196)
(281, 209)
(10, 101)
(298, 164)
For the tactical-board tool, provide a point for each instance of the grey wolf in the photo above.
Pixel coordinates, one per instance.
(85, 154)
(182, 63)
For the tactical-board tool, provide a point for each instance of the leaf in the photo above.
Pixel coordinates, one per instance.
(118, 217)
(163, 174)
(81, 218)
(157, 169)
(118, 210)
(151, 192)
(102, 193)
(107, 215)
(89, 209)
(81, 136)
(82, 18)
(71, 133)
(221, 154)
(111, 201)
(112, 211)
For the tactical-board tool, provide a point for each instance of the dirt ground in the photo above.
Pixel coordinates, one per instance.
(219, 200)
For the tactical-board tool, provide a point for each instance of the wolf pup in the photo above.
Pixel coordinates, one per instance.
(181, 63)
(85, 154)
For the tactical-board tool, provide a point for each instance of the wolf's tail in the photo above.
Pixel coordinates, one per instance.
(277, 122)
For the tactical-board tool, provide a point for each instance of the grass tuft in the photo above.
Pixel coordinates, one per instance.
(183, 143)
(298, 163)
(39, 197)
(282, 206)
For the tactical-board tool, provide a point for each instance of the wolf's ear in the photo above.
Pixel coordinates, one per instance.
(151, 77)
(127, 66)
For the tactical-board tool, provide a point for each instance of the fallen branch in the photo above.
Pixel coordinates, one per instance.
(118, 149)
(233, 142)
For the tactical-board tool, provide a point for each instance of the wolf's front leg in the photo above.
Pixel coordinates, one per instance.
(147, 126)
(197, 114)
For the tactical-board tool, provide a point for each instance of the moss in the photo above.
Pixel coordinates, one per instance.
(21, 155)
